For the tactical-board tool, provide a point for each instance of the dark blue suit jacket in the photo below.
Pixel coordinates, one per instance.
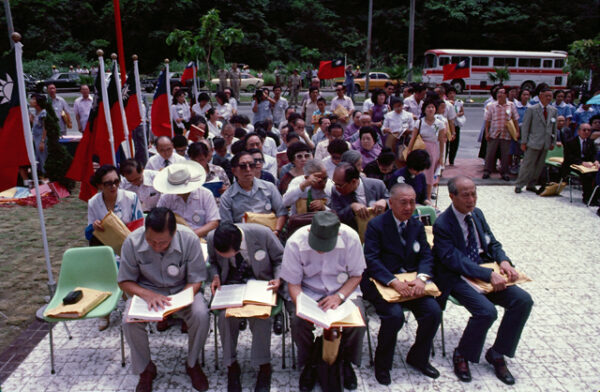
(450, 251)
(374, 190)
(386, 256)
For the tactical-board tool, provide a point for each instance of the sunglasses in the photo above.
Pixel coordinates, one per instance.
(259, 160)
(108, 184)
(246, 166)
(307, 155)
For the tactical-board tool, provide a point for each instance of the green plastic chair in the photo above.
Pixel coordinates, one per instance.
(426, 211)
(90, 267)
(557, 152)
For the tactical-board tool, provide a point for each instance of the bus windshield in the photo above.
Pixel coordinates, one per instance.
(430, 60)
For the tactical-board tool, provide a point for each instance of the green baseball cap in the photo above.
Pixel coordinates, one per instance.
(324, 230)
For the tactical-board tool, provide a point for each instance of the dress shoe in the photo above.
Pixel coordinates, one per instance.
(518, 189)
(531, 188)
(500, 368)
(505, 177)
(486, 176)
(184, 327)
(427, 370)
(163, 325)
(243, 324)
(146, 378)
(461, 367)
(199, 380)
(308, 378)
(598, 212)
(233, 378)
(263, 380)
(278, 324)
(350, 382)
(103, 323)
(383, 376)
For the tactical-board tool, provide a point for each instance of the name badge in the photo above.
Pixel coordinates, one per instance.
(268, 206)
(416, 246)
(173, 270)
(260, 254)
(196, 218)
(400, 180)
(487, 239)
(342, 278)
(553, 120)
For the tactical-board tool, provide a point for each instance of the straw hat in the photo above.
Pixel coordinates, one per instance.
(179, 178)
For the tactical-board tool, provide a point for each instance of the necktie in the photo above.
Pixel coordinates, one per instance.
(472, 251)
(545, 114)
(166, 163)
(401, 230)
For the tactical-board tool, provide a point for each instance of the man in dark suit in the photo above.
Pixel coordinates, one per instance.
(395, 242)
(580, 151)
(462, 241)
(353, 194)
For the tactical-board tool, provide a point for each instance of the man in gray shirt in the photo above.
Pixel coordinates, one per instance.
(159, 260)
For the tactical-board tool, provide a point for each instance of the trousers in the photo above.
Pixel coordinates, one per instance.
(531, 167)
(229, 328)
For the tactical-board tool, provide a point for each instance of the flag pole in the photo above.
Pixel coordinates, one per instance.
(123, 118)
(195, 91)
(119, 36)
(106, 104)
(31, 154)
(169, 99)
(138, 95)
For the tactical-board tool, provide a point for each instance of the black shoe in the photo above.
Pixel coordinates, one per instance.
(518, 189)
(350, 382)
(263, 380)
(233, 378)
(461, 367)
(163, 325)
(146, 378)
(383, 376)
(278, 324)
(243, 324)
(308, 378)
(486, 176)
(500, 368)
(531, 188)
(427, 370)
(505, 177)
(598, 212)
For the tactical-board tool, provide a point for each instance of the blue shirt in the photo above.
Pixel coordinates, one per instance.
(263, 198)
(418, 182)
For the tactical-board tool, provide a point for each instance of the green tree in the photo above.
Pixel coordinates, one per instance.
(584, 57)
(500, 75)
(208, 42)
(59, 160)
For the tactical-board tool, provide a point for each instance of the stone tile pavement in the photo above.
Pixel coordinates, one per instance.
(548, 238)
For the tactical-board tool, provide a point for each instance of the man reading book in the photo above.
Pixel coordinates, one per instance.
(462, 242)
(238, 253)
(158, 260)
(395, 243)
(325, 262)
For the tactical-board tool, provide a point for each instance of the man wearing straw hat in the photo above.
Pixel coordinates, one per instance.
(182, 192)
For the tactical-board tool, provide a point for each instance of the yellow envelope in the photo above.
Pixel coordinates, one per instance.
(485, 287)
(362, 223)
(250, 310)
(90, 299)
(510, 126)
(391, 295)
(269, 220)
(114, 233)
(302, 208)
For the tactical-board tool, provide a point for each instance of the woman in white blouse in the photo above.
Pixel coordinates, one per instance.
(223, 106)
(214, 126)
(180, 112)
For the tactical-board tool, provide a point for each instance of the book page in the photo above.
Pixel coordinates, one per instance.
(139, 308)
(228, 296)
(341, 312)
(257, 292)
(309, 309)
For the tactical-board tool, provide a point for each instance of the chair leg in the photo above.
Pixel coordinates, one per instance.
(122, 346)
(592, 196)
(216, 343)
(67, 329)
(443, 337)
(292, 344)
(371, 361)
(570, 191)
(51, 352)
(283, 340)
(202, 356)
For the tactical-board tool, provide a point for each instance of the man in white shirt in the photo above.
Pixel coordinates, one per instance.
(140, 181)
(166, 155)
(253, 140)
(398, 121)
(414, 103)
(279, 106)
(59, 105)
(343, 101)
(82, 107)
(314, 186)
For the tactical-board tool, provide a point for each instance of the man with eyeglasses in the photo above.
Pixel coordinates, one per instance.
(253, 140)
(580, 151)
(166, 155)
(314, 187)
(259, 161)
(250, 194)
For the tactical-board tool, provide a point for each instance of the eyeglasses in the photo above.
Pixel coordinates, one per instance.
(246, 166)
(307, 155)
(259, 160)
(108, 184)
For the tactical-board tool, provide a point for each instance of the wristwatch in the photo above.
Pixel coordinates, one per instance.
(423, 278)
(342, 296)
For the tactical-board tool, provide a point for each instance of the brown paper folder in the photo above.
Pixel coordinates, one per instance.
(485, 287)
(429, 235)
(90, 299)
(391, 295)
(250, 310)
(114, 233)
(556, 159)
(362, 223)
(584, 170)
(510, 126)
(419, 145)
(302, 207)
(269, 220)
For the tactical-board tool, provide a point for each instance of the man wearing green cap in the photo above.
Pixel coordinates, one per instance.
(325, 262)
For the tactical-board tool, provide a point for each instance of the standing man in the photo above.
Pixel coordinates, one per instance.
(158, 260)
(166, 155)
(222, 74)
(343, 101)
(295, 83)
(278, 106)
(309, 106)
(326, 263)
(462, 241)
(238, 253)
(395, 242)
(349, 81)
(60, 106)
(414, 103)
(538, 135)
(235, 79)
(82, 107)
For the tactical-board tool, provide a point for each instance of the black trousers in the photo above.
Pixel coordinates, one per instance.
(452, 148)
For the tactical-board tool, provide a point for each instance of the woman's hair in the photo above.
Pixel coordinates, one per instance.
(203, 97)
(295, 148)
(177, 94)
(364, 130)
(430, 101)
(375, 94)
(40, 99)
(210, 112)
(522, 91)
(222, 96)
(103, 170)
(418, 160)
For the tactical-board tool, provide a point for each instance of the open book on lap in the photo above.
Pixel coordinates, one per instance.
(345, 315)
(255, 292)
(138, 308)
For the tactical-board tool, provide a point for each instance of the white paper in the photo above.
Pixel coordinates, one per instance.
(138, 310)
(257, 291)
(309, 309)
(229, 296)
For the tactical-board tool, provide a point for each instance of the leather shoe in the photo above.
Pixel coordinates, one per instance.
(500, 368)
(163, 325)
(233, 378)
(308, 378)
(427, 370)
(505, 177)
(598, 212)
(278, 324)
(350, 381)
(383, 376)
(461, 367)
(486, 176)
(531, 188)
(184, 327)
(146, 378)
(263, 380)
(518, 189)
(199, 380)
(243, 324)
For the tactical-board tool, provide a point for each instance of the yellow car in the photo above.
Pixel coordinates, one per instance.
(249, 82)
(376, 80)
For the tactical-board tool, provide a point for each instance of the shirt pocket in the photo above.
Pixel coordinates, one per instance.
(311, 269)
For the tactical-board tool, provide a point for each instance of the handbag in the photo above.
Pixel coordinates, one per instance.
(419, 143)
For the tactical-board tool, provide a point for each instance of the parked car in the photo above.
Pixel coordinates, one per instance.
(29, 82)
(376, 80)
(149, 84)
(249, 82)
(63, 81)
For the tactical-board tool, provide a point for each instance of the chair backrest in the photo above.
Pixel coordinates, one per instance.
(426, 211)
(557, 152)
(92, 267)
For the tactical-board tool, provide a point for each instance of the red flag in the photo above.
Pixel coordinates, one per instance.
(13, 152)
(132, 109)
(188, 72)
(161, 118)
(461, 70)
(331, 69)
(115, 109)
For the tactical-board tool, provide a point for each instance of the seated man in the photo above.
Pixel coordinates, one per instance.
(250, 194)
(462, 241)
(580, 151)
(183, 193)
(313, 186)
(254, 140)
(335, 150)
(395, 242)
(238, 253)
(325, 262)
(334, 132)
(352, 194)
(166, 155)
(139, 181)
(158, 260)
(412, 174)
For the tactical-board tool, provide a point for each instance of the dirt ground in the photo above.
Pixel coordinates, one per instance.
(23, 283)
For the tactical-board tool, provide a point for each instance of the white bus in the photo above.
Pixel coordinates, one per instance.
(527, 69)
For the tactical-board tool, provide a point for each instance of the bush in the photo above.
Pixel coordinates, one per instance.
(59, 160)
(269, 78)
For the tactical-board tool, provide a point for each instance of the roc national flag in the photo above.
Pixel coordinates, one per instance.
(13, 152)
(188, 72)
(161, 119)
(130, 102)
(331, 69)
(460, 70)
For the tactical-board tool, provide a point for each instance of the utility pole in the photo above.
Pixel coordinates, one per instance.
(369, 47)
(9, 23)
(411, 40)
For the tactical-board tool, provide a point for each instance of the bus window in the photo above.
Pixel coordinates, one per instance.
(482, 61)
(559, 63)
(430, 60)
(505, 61)
(547, 64)
(444, 60)
(456, 59)
(529, 62)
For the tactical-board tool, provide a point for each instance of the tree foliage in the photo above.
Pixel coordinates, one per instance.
(59, 160)
(584, 56)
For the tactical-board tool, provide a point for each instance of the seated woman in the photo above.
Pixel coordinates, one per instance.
(367, 145)
(201, 107)
(412, 174)
(180, 113)
(298, 153)
(383, 167)
(201, 152)
(224, 109)
(124, 204)
(214, 126)
(314, 186)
